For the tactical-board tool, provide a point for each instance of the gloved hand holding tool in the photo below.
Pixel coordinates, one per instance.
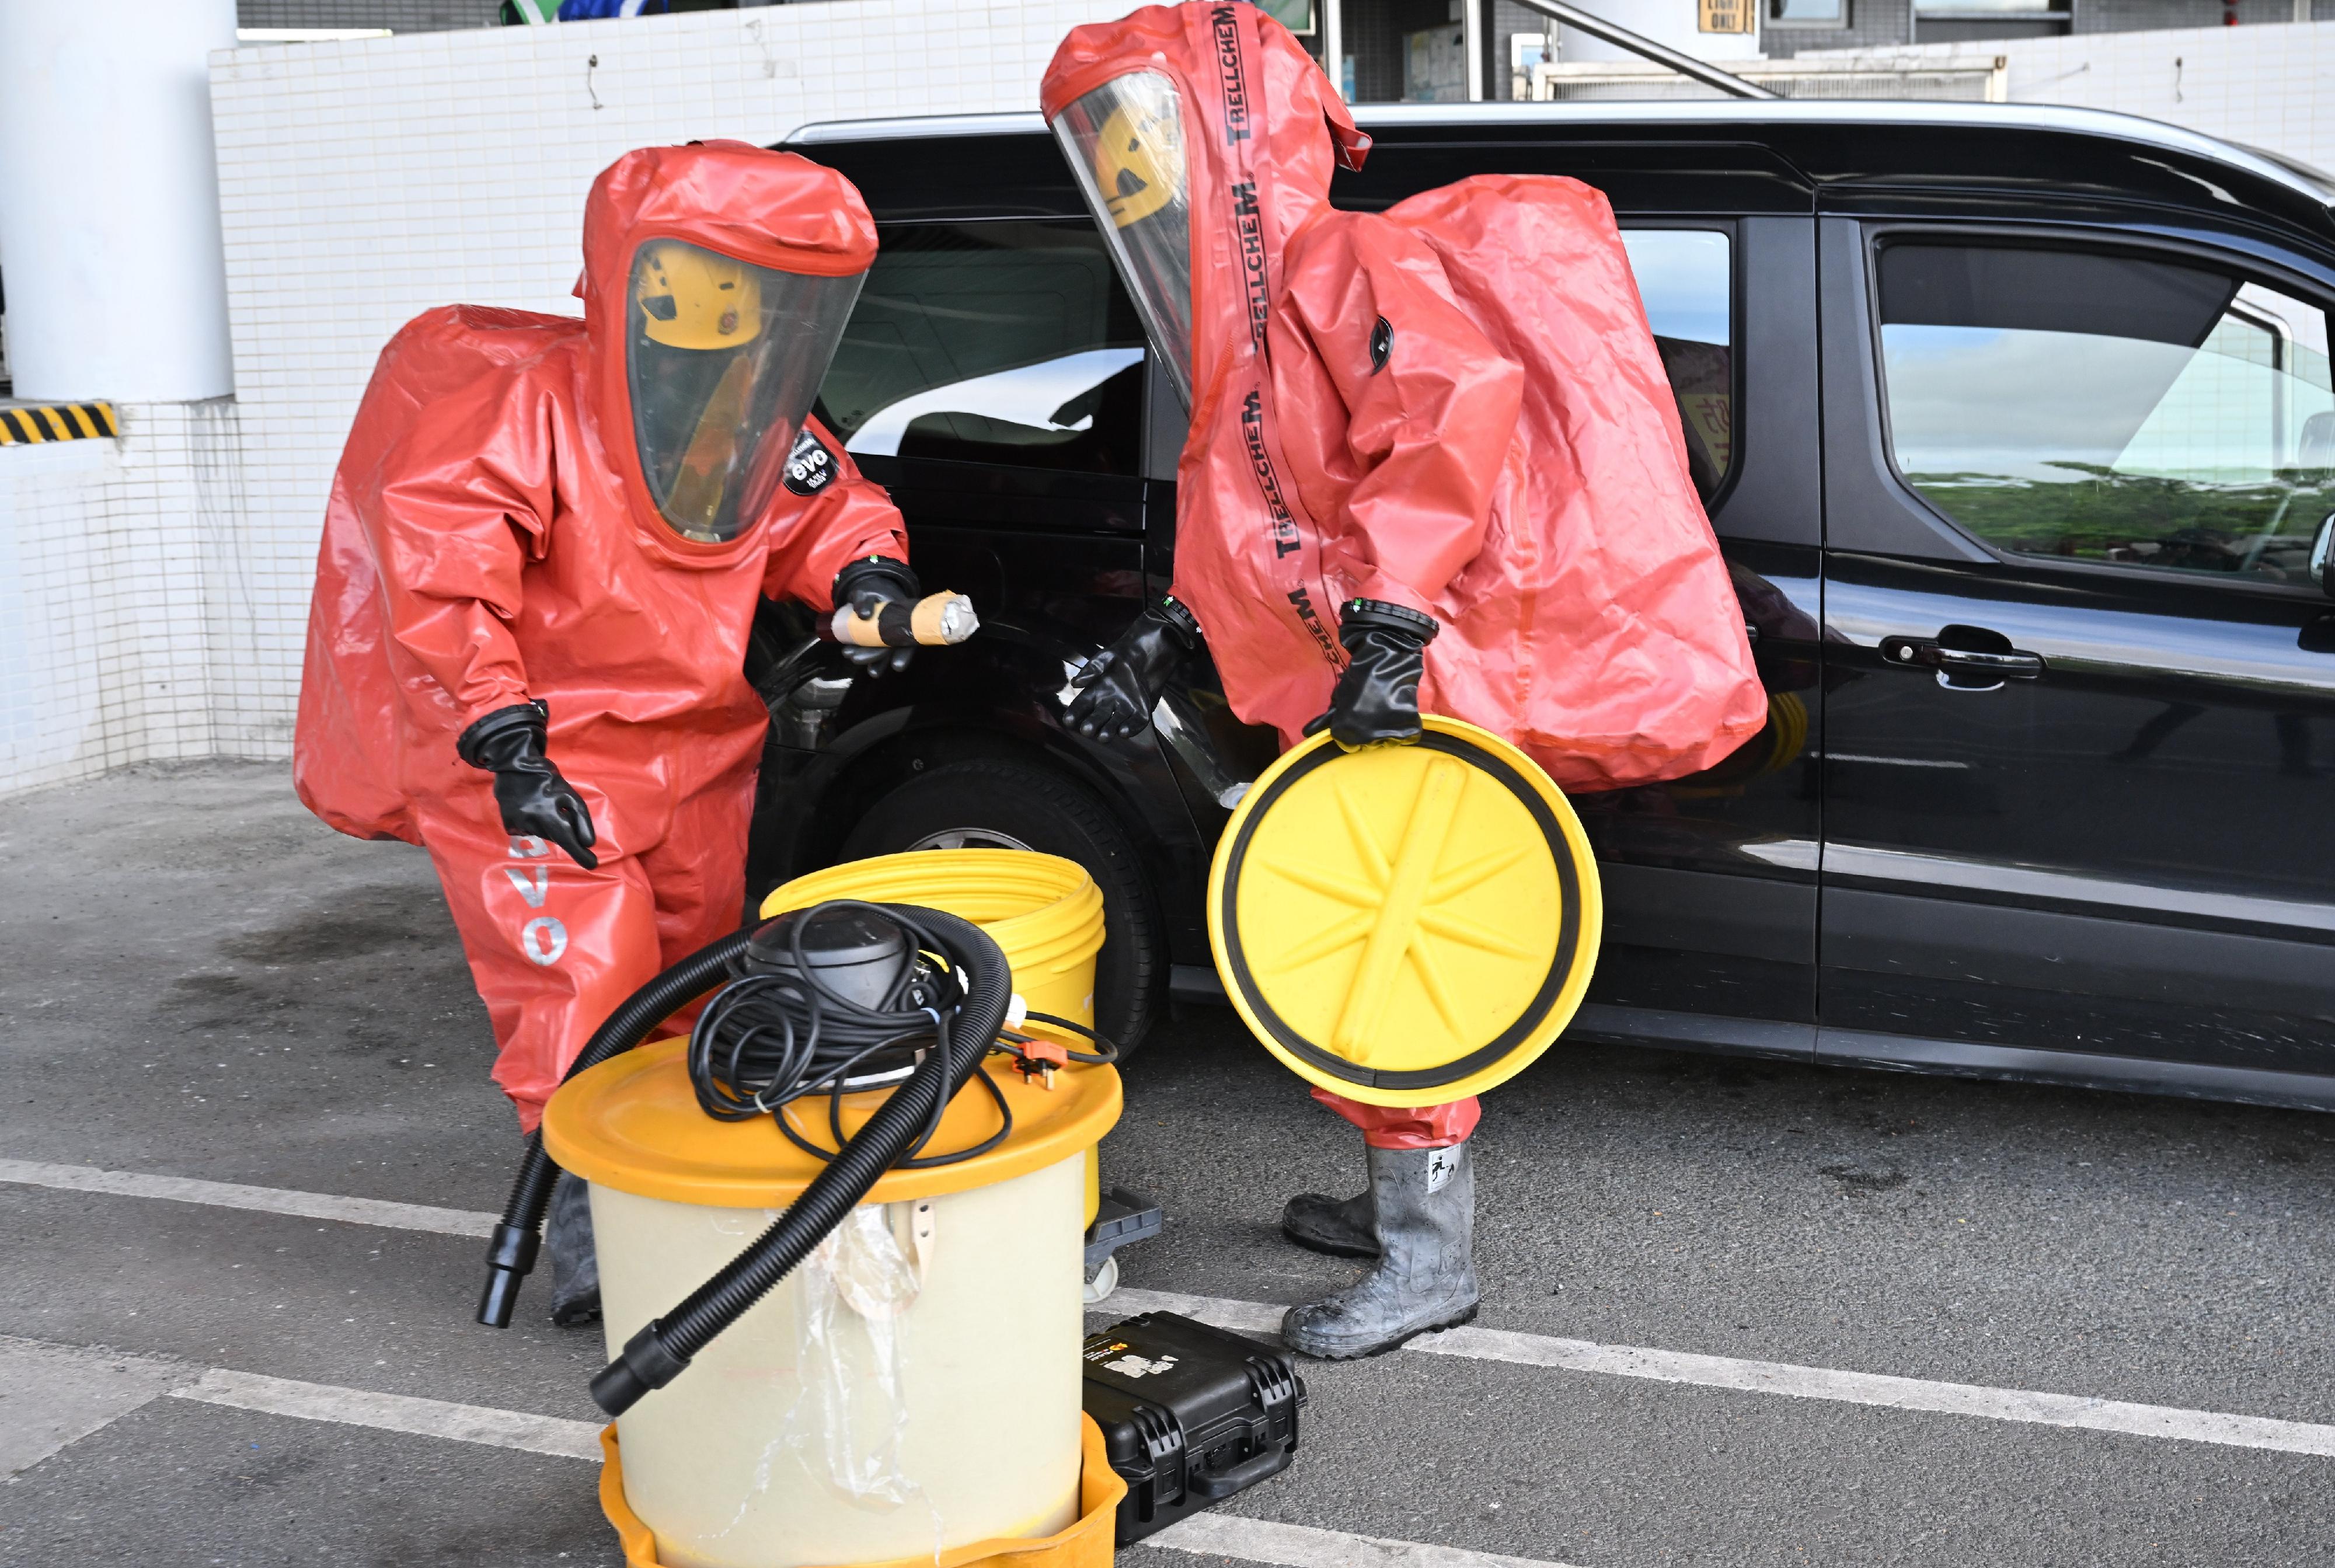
(1376, 700)
(882, 615)
(534, 800)
(1118, 686)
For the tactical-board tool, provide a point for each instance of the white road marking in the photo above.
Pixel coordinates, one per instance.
(1799, 1382)
(54, 1395)
(1241, 1317)
(263, 1200)
(1303, 1546)
(2071, 1410)
(1876, 1389)
(46, 1391)
(496, 1428)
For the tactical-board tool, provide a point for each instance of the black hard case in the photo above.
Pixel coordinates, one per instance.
(1189, 1414)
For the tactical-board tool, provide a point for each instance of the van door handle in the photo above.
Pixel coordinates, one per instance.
(1929, 654)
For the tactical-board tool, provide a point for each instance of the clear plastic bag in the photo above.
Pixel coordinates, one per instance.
(850, 1416)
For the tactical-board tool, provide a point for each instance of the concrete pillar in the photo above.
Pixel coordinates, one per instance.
(1674, 23)
(109, 198)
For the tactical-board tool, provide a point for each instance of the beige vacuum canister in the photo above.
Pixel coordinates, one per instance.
(913, 1387)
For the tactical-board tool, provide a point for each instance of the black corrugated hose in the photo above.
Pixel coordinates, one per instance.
(511, 1253)
(961, 1038)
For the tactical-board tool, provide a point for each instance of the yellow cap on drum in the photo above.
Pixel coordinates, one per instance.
(633, 1123)
(1406, 925)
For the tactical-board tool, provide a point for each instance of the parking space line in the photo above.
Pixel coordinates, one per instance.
(263, 1200)
(1223, 1536)
(1303, 1546)
(1894, 1393)
(2067, 1410)
(2071, 1410)
(1241, 1317)
(552, 1435)
(52, 1395)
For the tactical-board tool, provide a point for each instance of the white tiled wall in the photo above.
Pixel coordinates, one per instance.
(2271, 86)
(154, 592)
(114, 559)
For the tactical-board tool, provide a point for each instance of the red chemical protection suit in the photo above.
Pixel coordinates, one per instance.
(1455, 407)
(1449, 418)
(584, 513)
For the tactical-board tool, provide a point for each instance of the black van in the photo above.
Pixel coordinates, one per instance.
(2017, 427)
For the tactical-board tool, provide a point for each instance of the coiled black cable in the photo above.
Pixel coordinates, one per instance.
(519, 1238)
(766, 1040)
(961, 1037)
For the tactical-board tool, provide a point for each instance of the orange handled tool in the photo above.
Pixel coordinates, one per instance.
(931, 621)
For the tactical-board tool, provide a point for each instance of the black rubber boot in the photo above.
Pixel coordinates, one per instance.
(1342, 1227)
(574, 1265)
(1425, 1201)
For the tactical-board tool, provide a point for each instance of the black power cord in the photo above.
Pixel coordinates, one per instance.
(1105, 1053)
(769, 1039)
(792, 1026)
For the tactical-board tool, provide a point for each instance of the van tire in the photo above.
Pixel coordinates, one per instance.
(1039, 809)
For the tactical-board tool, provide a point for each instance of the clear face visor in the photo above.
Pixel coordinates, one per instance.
(1125, 142)
(723, 359)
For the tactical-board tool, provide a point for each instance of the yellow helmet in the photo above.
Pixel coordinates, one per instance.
(1139, 161)
(692, 297)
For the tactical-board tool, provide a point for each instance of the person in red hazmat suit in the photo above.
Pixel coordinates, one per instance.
(542, 556)
(1434, 464)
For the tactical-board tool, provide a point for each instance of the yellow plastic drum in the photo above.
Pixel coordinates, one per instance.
(912, 1394)
(1406, 925)
(1044, 912)
(911, 1391)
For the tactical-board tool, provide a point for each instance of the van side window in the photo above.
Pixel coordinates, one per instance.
(1685, 278)
(2110, 409)
(999, 342)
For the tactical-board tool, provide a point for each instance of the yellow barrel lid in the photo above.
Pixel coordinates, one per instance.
(1406, 925)
(633, 1123)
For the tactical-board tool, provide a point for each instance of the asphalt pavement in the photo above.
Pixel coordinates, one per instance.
(198, 981)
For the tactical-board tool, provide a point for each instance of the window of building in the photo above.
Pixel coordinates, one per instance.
(1297, 15)
(1984, 21)
(1686, 278)
(1808, 13)
(994, 343)
(2090, 407)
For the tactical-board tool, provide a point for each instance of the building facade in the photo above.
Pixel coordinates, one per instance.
(1430, 50)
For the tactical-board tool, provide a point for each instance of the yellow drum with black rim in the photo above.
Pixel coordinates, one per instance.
(1406, 925)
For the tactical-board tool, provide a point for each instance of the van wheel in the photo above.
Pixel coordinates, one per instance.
(1004, 805)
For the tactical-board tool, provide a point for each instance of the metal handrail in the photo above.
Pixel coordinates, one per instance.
(1597, 26)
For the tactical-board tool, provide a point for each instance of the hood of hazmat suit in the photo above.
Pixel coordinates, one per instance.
(1455, 407)
(585, 514)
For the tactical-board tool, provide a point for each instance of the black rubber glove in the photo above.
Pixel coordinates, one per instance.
(865, 585)
(1377, 700)
(1119, 686)
(536, 801)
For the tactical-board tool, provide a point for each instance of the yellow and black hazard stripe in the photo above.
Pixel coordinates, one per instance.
(32, 422)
